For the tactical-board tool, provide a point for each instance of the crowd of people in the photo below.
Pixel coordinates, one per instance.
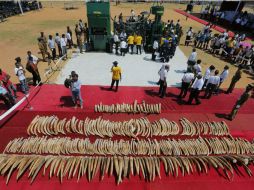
(233, 49)
(51, 48)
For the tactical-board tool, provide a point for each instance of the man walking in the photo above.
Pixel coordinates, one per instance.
(32, 68)
(207, 75)
(212, 84)
(163, 81)
(192, 59)
(244, 97)
(155, 49)
(196, 89)
(63, 43)
(235, 79)
(223, 77)
(116, 75)
(58, 42)
(123, 46)
(187, 79)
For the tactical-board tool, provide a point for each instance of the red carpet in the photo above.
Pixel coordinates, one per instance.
(55, 99)
(218, 28)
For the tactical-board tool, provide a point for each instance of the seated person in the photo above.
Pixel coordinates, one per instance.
(5, 96)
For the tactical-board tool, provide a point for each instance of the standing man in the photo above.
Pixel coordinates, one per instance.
(235, 79)
(155, 49)
(207, 75)
(196, 89)
(223, 77)
(58, 42)
(187, 79)
(32, 68)
(192, 59)
(139, 42)
(244, 97)
(197, 68)
(42, 49)
(163, 81)
(44, 41)
(52, 47)
(116, 75)
(69, 39)
(70, 32)
(116, 41)
(20, 73)
(130, 42)
(76, 91)
(123, 46)
(212, 84)
(63, 42)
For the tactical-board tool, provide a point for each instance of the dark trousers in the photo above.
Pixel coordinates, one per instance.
(231, 86)
(116, 47)
(59, 50)
(184, 89)
(205, 83)
(138, 48)
(153, 54)
(123, 51)
(130, 45)
(209, 90)
(113, 82)
(162, 89)
(194, 94)
(36, 77)
(53, 51)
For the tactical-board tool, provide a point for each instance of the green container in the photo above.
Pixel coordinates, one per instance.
(98, 14)
(157, 10)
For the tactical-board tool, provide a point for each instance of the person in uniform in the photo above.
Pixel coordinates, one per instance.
(139, 42)
(163, 81)
(235, 79)
(44, 41)
(196, 88)
(130, 41)
(212, 84)
(187, 79)
(244, 97)
(116, 75)
(42, 49)
(79, 43)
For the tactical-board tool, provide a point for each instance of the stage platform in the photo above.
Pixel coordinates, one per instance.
(56, 100)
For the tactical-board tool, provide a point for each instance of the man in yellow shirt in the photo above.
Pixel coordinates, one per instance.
(116, 75)
(139, 42)
(130, 42)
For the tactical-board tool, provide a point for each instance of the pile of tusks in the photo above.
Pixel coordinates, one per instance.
(151, 147)
(120, 166)
(52, 125)
(134, 108)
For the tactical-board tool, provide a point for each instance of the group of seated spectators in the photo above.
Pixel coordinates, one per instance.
(10, 8)
(233, 49)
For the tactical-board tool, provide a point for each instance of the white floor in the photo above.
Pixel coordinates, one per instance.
(137, 70)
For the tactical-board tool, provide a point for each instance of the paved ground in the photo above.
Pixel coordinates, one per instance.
(138, 70)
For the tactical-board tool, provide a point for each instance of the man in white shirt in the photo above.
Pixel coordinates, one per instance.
(223, 77)
(63, 43)
(58, 42)
(163, 81)
(195, 90)
(208, 73)
(188, 36)
(212, 84)
(52, 47)
(116, 41)
(197, 68)
(20, 73)
(192, 59)
(123, 35)
(69, 40)
(155, 48)
(123, 46)
(187, 79)
(76, 91)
